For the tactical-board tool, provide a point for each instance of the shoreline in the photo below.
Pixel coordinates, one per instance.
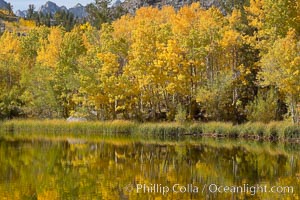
(275, 131)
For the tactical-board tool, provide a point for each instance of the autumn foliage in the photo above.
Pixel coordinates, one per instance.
(147, 66)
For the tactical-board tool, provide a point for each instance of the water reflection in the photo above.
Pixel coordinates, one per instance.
(112, 169)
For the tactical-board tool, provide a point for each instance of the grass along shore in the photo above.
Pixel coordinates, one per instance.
(280, 131)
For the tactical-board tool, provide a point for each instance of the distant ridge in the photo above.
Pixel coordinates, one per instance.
(50, 7)
(78, 11)
(20, 13)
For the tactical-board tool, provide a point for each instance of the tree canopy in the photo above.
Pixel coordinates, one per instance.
(157, 64)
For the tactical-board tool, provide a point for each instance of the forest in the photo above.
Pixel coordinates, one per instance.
(191, 64)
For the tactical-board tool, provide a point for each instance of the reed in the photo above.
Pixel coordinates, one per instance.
(165, 129)
(282, 131)
(255, 130)
(219, 129)
(61, 127)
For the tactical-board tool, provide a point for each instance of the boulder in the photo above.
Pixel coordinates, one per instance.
(76, 119)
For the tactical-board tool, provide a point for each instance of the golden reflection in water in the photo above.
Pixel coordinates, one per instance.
(105, 169)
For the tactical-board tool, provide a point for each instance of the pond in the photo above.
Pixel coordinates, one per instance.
(128, 168)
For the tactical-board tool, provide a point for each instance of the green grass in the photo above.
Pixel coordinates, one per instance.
(166, 129)
(281, 131)
(61, 126)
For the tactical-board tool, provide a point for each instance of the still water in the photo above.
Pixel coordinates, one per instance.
(127, 168)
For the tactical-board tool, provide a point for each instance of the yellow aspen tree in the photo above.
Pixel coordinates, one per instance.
(232, 43)
(281, 68)
(10, 75)
(173, 83)
(100, 73)
(142, 53)
(48, 55)
(90, 95)
(41, 93)
(198, 32)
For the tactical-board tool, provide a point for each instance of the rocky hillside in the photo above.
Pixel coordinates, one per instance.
(3, 4)
(133, 5)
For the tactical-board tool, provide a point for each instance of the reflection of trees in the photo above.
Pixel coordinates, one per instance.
(86, 170)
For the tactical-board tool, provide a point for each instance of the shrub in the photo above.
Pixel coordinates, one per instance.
(180, 114)
(254, 129)
(263, 108)
(195, 129)
(292, 132)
